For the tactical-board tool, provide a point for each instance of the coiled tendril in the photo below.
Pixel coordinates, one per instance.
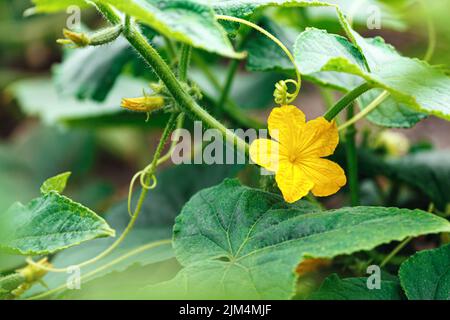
(281, 93)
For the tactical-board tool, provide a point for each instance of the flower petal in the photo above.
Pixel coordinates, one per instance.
(266, 153)
(285, 125)
(292, 181)
(320, 138)
(327, 176)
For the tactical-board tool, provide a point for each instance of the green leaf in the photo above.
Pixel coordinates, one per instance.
(191, 22)
(411, 82)
(334, 288)
(48, 224)
(426, 275)
(238, 242)
(90, 73)
(56, 183)
(427, 171)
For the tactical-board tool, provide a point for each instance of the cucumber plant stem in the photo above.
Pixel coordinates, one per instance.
(346, 100)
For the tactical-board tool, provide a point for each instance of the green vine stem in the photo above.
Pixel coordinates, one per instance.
(346, 100)
(352, 159)
(186, 103)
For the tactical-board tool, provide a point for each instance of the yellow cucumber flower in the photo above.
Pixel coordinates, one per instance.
(296, 154)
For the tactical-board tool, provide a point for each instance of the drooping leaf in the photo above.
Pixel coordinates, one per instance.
(48, 224)
(334, 288)
(191, 22)
(56, 183)
(90, 73)
(237, 242)
(426, 275)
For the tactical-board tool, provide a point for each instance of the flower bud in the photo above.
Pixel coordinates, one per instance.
(143, 104)
(79, 39)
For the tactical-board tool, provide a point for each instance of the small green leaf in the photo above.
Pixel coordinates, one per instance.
(238, 242)
(56, 183)
(426, 275)
(48, 224)
(334, 288)
(188, 21)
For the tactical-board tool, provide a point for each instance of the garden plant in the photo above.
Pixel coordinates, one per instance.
(240, 189)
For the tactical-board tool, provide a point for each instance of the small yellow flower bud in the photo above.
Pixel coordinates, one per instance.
(77, 38)
(143, 104)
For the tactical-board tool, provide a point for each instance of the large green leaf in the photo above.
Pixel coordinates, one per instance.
(47, 224)
(90, 73)
(334, 288)
(411, 82)
(192, 22)
(426, 275)
(238, 242)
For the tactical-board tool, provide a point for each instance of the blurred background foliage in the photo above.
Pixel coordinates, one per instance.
(57, 115)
